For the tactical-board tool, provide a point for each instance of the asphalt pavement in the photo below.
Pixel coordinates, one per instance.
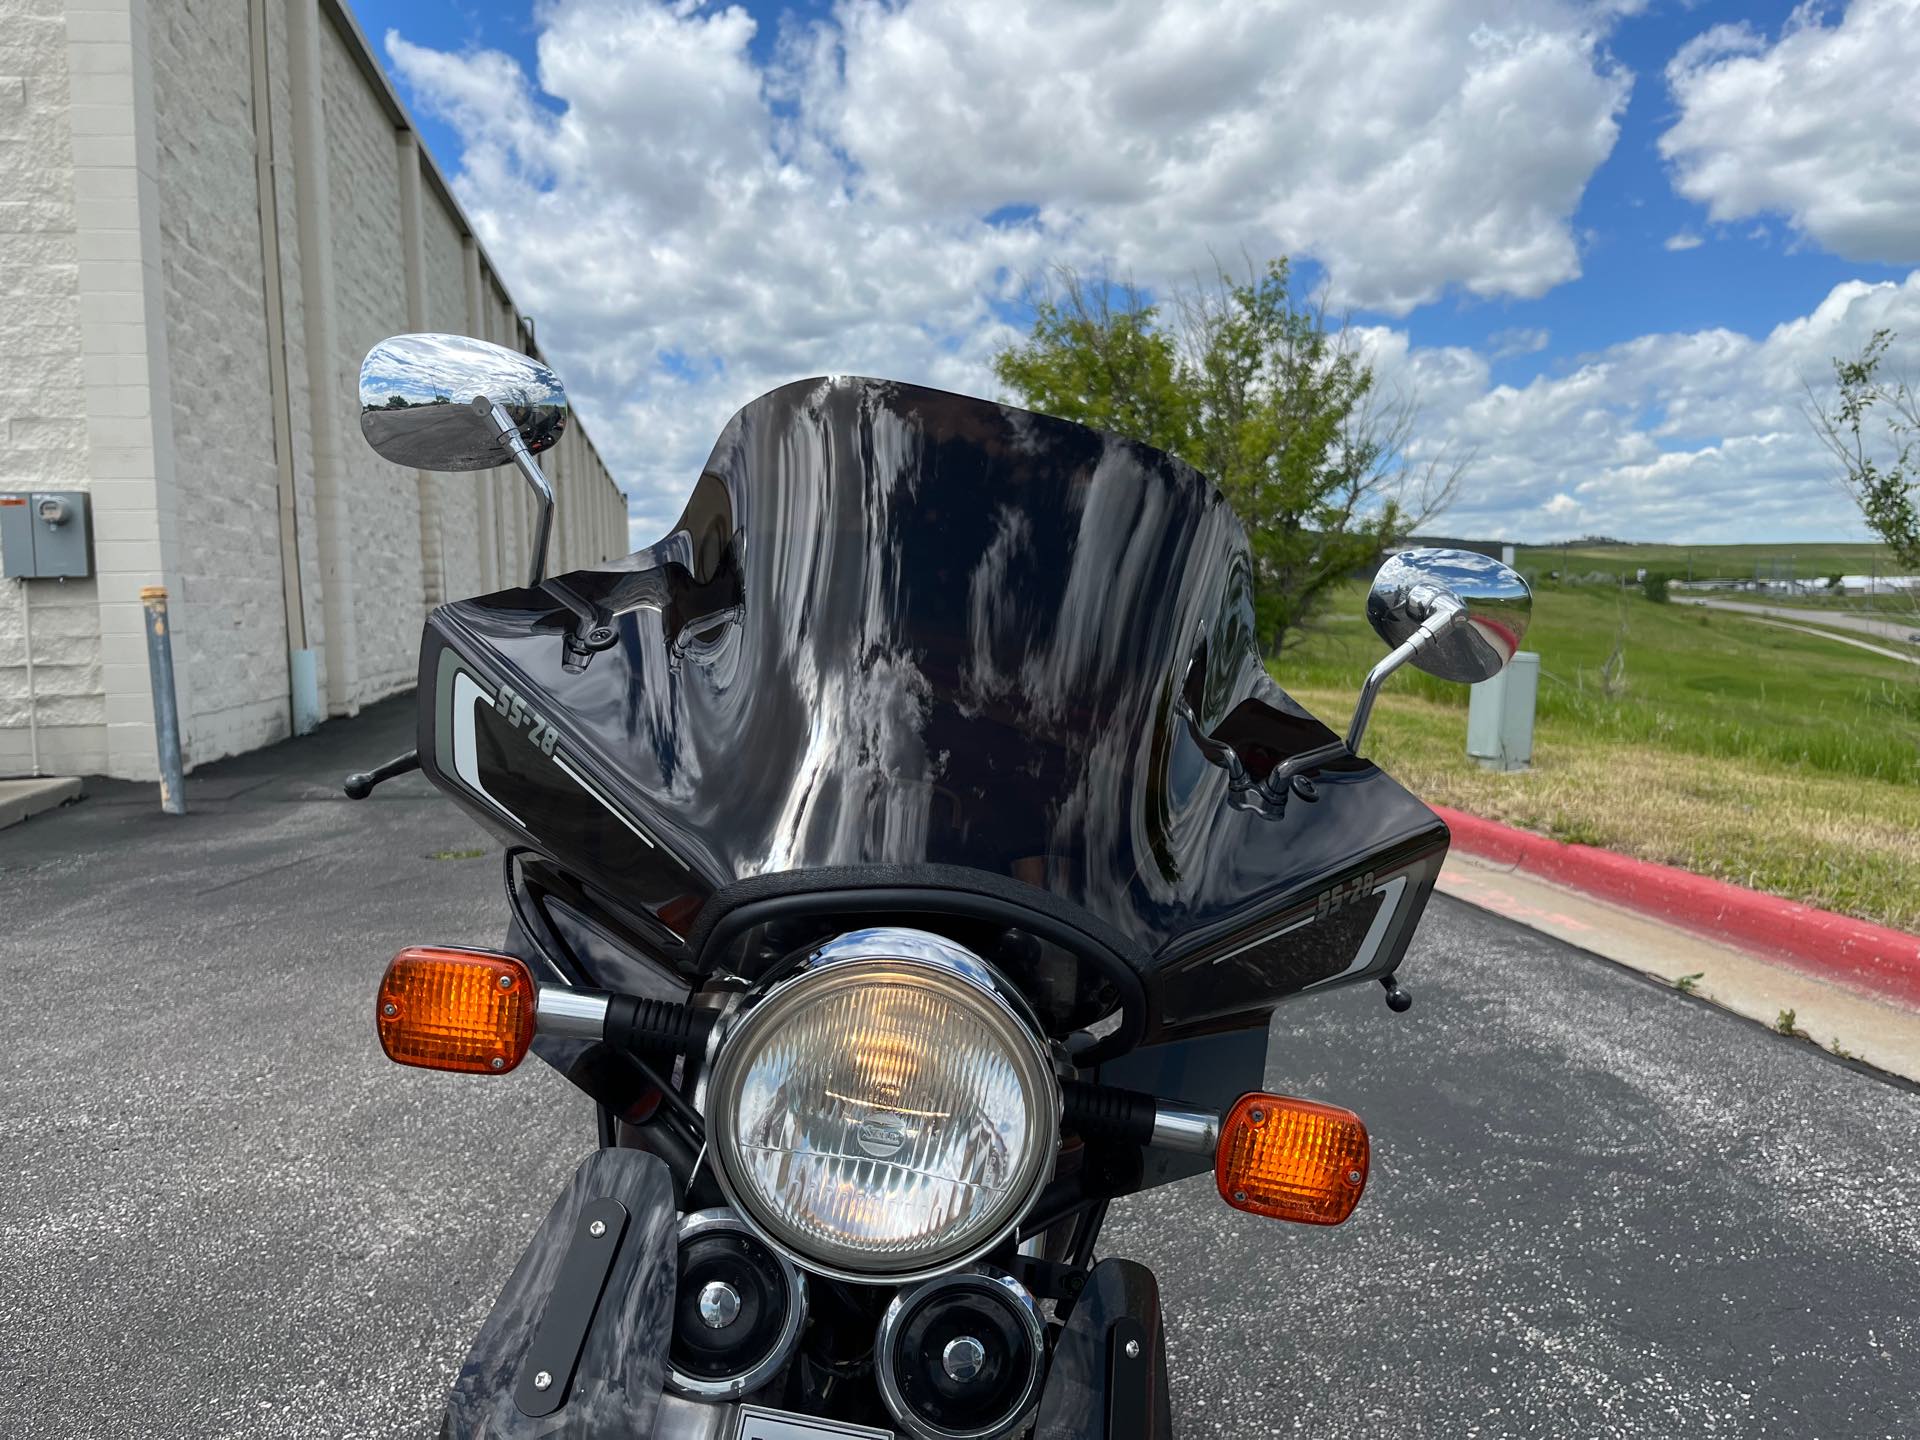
(1596, 1208)
(1893, 629)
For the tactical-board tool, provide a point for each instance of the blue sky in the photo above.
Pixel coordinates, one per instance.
(1636, 258)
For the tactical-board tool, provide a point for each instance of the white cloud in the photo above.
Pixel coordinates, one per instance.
(1684, 240)
(1519, 340)
(1822, 127)
(1690, 436)
(693, 228)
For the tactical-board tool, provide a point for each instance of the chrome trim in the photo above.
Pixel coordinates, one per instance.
(699, 1222)
(895, 946)
(1193, 1132)
(963, 1358)
(683, 1419)
(987, 1281)
(719, 1305)
(537, 481)
(1442, 621)
(570, 1014)
(786, 1425)
(1415, 588)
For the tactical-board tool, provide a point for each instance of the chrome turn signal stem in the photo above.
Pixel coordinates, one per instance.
(630, 1022)
(569, 1014)
(1113, 1113)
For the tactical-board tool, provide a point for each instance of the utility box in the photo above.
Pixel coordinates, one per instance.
(45, 535)
(1500, 715)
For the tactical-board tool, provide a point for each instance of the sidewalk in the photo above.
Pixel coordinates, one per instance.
(1831, 1016)
(24, 798)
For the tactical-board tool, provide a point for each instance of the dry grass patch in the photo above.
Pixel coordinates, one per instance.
(1844, 843)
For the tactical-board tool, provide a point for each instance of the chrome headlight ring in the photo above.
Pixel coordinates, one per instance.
(887, 1113)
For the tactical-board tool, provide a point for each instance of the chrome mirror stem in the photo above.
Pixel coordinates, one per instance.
(1447, 612)
(530, 468)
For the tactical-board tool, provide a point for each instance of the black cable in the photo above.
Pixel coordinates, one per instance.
(1080, 1252)
(537, 926)
(1040, 1223)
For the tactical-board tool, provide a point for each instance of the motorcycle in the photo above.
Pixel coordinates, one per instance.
(905, 855)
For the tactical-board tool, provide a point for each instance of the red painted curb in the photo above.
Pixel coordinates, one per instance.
(1883, 962)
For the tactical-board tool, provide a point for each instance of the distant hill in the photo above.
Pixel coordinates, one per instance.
(1788, 561)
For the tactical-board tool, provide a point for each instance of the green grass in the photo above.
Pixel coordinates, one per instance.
(1700, 682)
(1708, 562)
(1771, 758)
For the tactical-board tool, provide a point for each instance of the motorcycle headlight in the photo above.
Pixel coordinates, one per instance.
(887, 1113)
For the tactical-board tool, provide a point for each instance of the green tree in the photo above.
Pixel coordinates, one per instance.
(1871, 426)
(1279, 409)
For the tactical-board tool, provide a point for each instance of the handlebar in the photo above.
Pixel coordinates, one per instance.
(360, 784)
(664, 1027)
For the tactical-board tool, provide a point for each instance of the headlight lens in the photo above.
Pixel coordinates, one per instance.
(884, 1115)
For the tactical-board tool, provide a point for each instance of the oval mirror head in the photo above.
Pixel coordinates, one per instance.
(1414, 583)
(426, 402)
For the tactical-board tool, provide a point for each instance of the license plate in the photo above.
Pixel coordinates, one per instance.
(758, 1424)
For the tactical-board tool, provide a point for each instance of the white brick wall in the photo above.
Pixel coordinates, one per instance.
(457, 497)
(134, 363)
(43, 428)
(228, 612)
(371, 303)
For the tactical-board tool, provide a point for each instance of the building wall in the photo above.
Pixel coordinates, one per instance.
(43, 431)
(370, 298)
(228, 617)
(454, 513)
(140, 342)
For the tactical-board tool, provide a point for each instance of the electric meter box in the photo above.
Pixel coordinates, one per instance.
(45, 535)
(1500, 715)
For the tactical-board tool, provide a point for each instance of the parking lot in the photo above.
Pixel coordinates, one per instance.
(1597, 1207)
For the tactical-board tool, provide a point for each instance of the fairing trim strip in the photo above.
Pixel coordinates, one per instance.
(1369, 947)
(466, 759)
(612, 809)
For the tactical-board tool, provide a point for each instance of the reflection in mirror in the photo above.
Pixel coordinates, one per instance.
(1416, 585)
(426, 402)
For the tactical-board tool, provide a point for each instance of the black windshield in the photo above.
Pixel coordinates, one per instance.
(901, 627)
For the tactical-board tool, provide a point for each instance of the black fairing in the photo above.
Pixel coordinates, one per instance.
(1095, 1391)
(608, 1380)
(900, 638)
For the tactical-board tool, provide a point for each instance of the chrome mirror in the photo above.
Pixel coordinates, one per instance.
(446, 402)
(1416, 584)
(1455, 614)
(427, 402)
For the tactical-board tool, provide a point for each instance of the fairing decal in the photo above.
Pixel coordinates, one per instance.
(467, 697)
(1389, 894)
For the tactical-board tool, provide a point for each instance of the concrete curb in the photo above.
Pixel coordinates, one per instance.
(1882, 962)
(23, 799)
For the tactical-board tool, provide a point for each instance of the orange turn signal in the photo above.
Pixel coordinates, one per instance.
(1291, 1159)
(447, 1009)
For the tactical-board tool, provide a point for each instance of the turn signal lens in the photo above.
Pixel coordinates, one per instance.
(1291, 1159)
(466, 1010)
